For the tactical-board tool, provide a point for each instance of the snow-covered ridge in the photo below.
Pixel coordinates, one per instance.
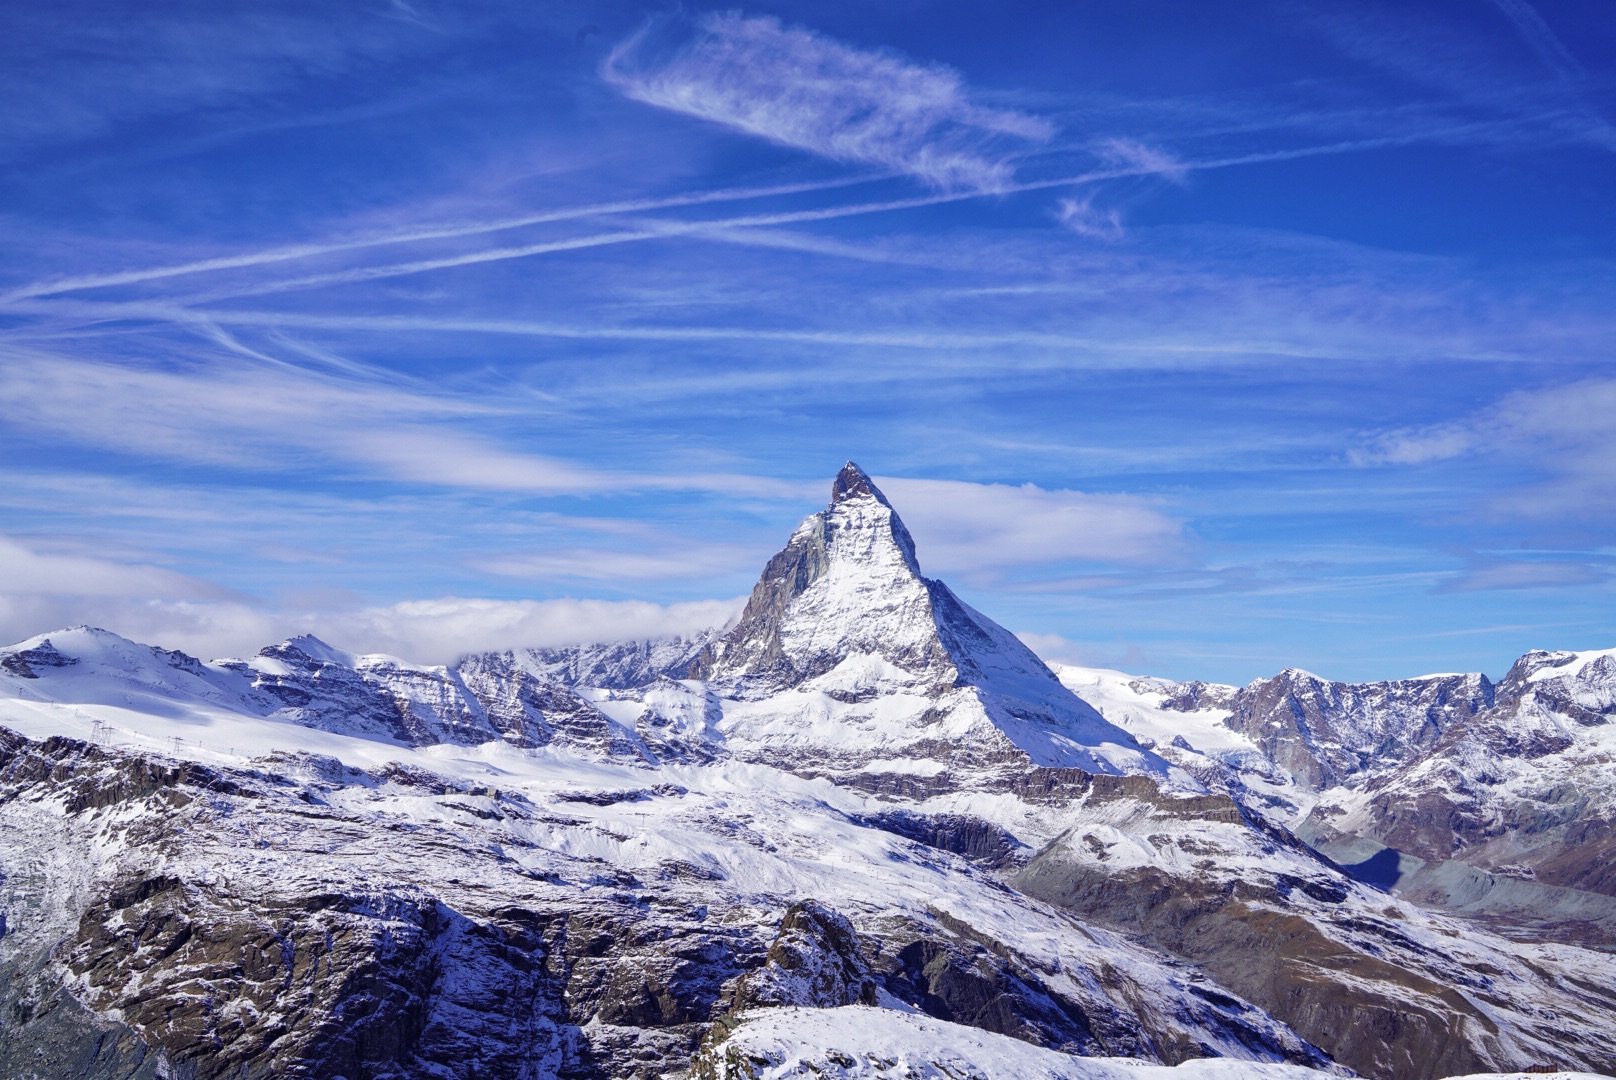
(845, 660)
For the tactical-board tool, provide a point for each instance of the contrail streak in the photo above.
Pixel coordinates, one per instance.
(303, 251)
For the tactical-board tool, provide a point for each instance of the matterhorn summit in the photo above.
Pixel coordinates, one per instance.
(847, 658)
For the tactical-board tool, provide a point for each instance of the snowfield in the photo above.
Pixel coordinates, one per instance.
(862, 1043)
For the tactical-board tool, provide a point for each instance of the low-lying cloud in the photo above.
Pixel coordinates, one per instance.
(43, 590)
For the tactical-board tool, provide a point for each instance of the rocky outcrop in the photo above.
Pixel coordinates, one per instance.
(973, 838)
(814, 960)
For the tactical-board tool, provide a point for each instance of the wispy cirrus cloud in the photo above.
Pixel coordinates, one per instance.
(1541, 38)
(1082, 217)
(409, 234)
(129, 63)
(1491, 574)
(802, 89)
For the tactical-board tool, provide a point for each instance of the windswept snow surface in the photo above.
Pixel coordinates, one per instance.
(858, 1042)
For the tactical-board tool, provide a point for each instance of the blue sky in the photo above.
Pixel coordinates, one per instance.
(1201, 340)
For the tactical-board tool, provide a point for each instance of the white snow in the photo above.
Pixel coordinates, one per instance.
(1134, 703)
(861, 1042)
(1571, 667)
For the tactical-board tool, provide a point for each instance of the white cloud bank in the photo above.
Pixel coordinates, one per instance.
(42, 590)
(801, 89)
(1567, 432)
(983, 529)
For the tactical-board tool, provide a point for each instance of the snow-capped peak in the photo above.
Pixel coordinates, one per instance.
(846, 583)
(843, 613)
(313, 648)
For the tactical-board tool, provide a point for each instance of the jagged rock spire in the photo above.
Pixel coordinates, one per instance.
(853, 481)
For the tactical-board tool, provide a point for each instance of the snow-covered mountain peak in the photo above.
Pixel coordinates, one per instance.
(862, 527)
(1540, 665)
(311, 647)
(842, 619)
(92, 647)
(847, 583)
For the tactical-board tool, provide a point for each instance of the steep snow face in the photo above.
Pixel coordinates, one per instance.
(1188, 725)
(847, 656)
(90, 666)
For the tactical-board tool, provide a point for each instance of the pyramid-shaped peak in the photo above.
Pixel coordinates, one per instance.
(853, 482)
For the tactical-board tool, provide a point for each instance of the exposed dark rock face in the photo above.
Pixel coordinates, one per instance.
(307, 686)
(980, 841)
(236, 974)
(23, 661)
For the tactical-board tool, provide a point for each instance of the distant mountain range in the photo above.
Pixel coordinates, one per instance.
(861, 828)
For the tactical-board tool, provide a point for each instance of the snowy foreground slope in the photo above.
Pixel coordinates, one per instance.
(858, 1042)
(861, 814)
